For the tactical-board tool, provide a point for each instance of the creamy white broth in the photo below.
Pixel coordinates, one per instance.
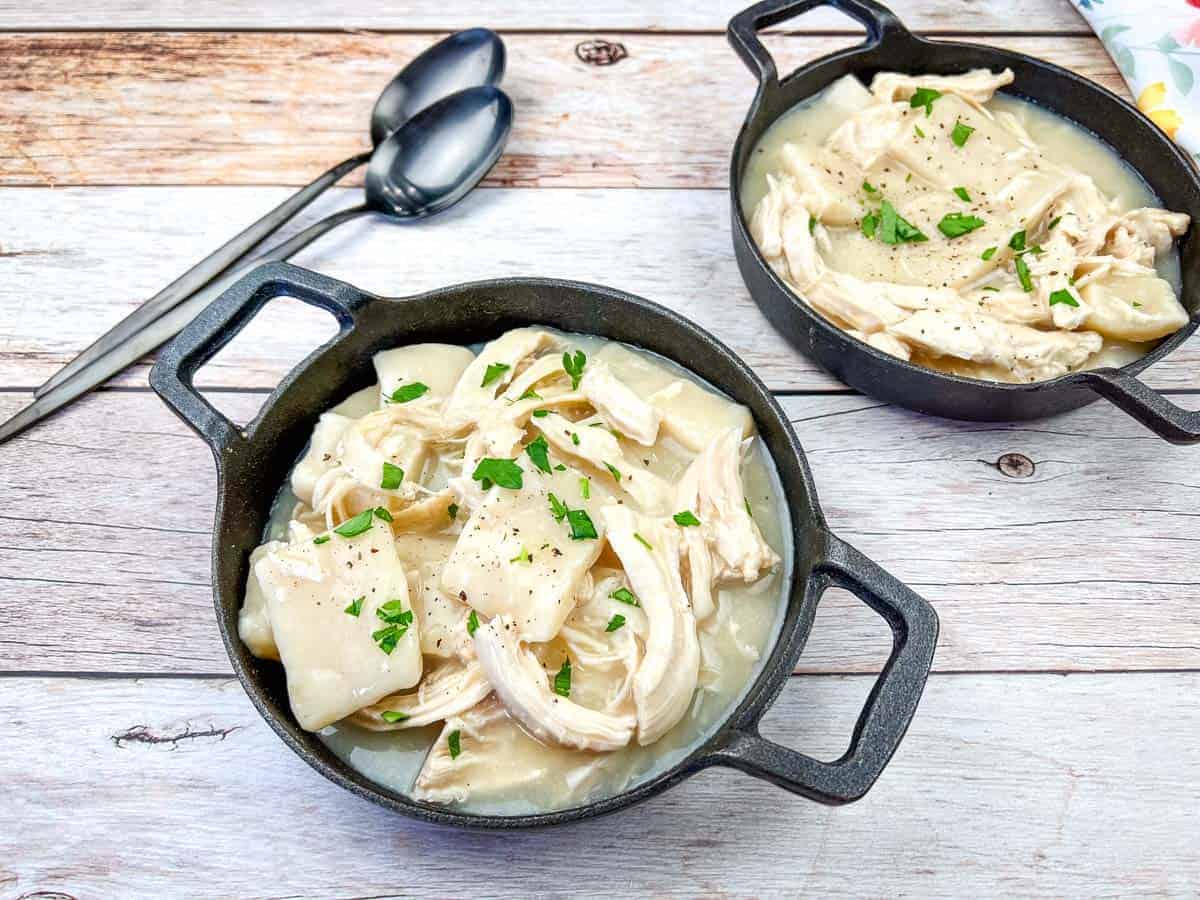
(812, 122)
(547, 777)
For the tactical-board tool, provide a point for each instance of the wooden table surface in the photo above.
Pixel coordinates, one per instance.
(1057, 749)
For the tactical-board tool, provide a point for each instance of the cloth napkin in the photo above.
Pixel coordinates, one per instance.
(1156, 45)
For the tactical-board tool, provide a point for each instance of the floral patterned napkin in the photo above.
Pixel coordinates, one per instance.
(1156, 45)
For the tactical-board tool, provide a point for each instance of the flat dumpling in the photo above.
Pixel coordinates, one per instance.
(493, 369)
(254, 624)
(1135, 307)
(437, 366)
(516, 558)
(338, 661)
(442, 616)
(320, 456)
(691, 415)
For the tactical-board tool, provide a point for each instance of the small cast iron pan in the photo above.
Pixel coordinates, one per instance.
(891, 47)
(253, 461)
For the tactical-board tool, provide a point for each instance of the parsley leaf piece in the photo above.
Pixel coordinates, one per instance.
(957, 224)
(812, 224)
(562, 681)
(868, 224)
(392, 716)
(1023, 274)
(685, 519)
(408, 392)
(1053, 222)
(558, 509)
(493, 372)
(530, 394)
(960, 133)
(962, 194)
(988, 253)
(573, 365)
(539, 451)
(615, 622)
(355, 606)
(895, 229)
(392, 477)
(394, 613)
(582, 528)
(1017, 241)
(869, 188)
(382, 513)
(540, 413)
(625, 595)
(321, 539)
(924, 97)
(454, 742)
(357, 525)
(1064, 297)
(585, 488)
(641, 540)
(522, 557)
(917, 129)
(388, 637)
(472, 623)
(613, 471)
(504, 472)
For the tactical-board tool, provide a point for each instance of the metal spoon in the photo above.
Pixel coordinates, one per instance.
(466, 59)
(423, 169)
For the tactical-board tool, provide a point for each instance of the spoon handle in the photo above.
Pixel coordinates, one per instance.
(202, 273)
(162, 329)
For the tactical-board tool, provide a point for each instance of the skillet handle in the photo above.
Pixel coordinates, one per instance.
(1148, 406)
(888, 710)
(744, 27)
(220, 322)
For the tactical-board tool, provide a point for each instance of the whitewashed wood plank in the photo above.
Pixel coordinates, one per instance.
(1087, 564)
(61, 287)
(266, 108)
(539, 15)
(1046, 786)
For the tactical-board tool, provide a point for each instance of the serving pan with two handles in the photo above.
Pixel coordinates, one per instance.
(254, 460)
(889, 46)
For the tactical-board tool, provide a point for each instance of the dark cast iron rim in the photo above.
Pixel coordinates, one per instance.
(889, 45)
(261, 453)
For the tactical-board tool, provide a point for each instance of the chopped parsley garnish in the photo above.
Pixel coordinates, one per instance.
(641, 540)
(392, 716)
(493, 372)
(398, 619)
(530, 394)
(585, 488)
(357, 525)
(869, 188)
(539, 451)
(960, 133)
(812, 224)
(558, 509)
(522, 557)
(615, 622)
(613, 471)
(573, 365)
(541, 413)
(472, 623)
(394, 613)
(868, 224)
(388, 637)
(454, 742)
(991, 288)
(988, 253)
(924, 97)
(355, 606)
(962, 194)
(504, 472)
(749, 511)
(407, 392)
(1017, 241)
(895, 229)
(1023, 274)
(625, 595)
(392, 476)
(957, 224)
(575, 438)
(382, 513)
(685, 519)
(1064, 297)
(562, 681)
(917, 129)
(560, 468)
(452, 511)
(1137, 305)
(1053, 222)
(321, 539)
(582, 528)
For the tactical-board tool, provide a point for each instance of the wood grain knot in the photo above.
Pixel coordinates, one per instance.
(1016, 465)
(599, 52)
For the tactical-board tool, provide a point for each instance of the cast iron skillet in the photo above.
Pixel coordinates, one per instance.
(890, 46)
(252, 462)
